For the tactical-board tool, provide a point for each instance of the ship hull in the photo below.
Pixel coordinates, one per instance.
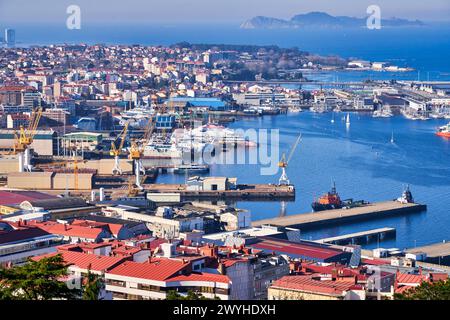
(443, 134)
(322, 207)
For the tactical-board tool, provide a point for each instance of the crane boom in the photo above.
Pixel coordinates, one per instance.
(115, 151)
(291, 153)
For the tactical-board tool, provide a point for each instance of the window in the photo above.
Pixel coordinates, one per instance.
(148, 287)
(115, 282)
(222, 291)
(207, 289)
(119, 295)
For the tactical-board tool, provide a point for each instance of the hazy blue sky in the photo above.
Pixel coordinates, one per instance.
(14, 12)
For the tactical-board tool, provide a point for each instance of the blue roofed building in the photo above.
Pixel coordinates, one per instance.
(211, 104)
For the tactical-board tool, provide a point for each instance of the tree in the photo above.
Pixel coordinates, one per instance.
(427, 291)
(92, 286)
(37, 280)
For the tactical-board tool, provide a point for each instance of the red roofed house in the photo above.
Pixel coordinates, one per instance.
(316, 287)
(155, 278)
(75, 233)
(18, 243)
(79, 263)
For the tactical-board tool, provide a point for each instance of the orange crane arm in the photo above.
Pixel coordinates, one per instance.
(122, 136)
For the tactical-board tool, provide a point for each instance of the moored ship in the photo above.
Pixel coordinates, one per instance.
(328, 201)
(444, 131)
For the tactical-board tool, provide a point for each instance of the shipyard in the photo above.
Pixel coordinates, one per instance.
(192, 171)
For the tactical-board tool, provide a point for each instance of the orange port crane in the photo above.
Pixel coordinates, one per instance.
(137, 150)
(24, 139)
(116, 151)
(284, 180)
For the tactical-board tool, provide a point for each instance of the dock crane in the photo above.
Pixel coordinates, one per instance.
(284, 180)
(137, 150)
(24, 139)
(115, 150)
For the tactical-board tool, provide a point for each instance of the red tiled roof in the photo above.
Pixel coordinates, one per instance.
(437, 276)
(209, 277)
(374, 262)
(294, 248)
(113, 227)
(403, 278)
(71, 231)
(86, 260)
(157, 269)
(16, 197)
(308, 284)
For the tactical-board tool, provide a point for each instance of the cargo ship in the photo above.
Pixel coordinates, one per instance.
(328, 201)
(444, 131)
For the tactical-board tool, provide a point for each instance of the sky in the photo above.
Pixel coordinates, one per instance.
(16, 12)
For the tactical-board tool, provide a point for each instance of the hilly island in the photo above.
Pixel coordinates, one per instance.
(321, 20)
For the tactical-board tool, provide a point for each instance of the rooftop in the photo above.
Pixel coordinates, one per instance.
(304, 249)
(158, 269)
(16, 197)
(308, 283)
(86, 261)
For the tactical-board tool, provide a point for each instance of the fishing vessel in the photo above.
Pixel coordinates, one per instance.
(382, 113)
(444, 131)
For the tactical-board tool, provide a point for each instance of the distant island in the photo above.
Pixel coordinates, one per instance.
(321, 20)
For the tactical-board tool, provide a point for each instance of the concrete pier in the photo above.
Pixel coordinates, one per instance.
(261, 192)
(437, 253)
(363, 236)
(370, 211)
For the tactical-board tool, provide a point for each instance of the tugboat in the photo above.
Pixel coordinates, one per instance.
(328, 201)
(444, 131)
(406, 196)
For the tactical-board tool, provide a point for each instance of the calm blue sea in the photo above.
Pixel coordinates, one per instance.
(364, 165)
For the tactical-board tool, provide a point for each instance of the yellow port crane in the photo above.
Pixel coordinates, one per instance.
(283, 163)
(137, 150)
(24, 139)
(116, 151)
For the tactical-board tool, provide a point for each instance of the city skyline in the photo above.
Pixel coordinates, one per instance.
(19, 12)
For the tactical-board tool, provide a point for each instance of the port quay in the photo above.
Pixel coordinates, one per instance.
(104, 166)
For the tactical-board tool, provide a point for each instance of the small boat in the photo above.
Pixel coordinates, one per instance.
(347, 120)
(332, 118)
(191, 168)
(392, 137)
(444, 131)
